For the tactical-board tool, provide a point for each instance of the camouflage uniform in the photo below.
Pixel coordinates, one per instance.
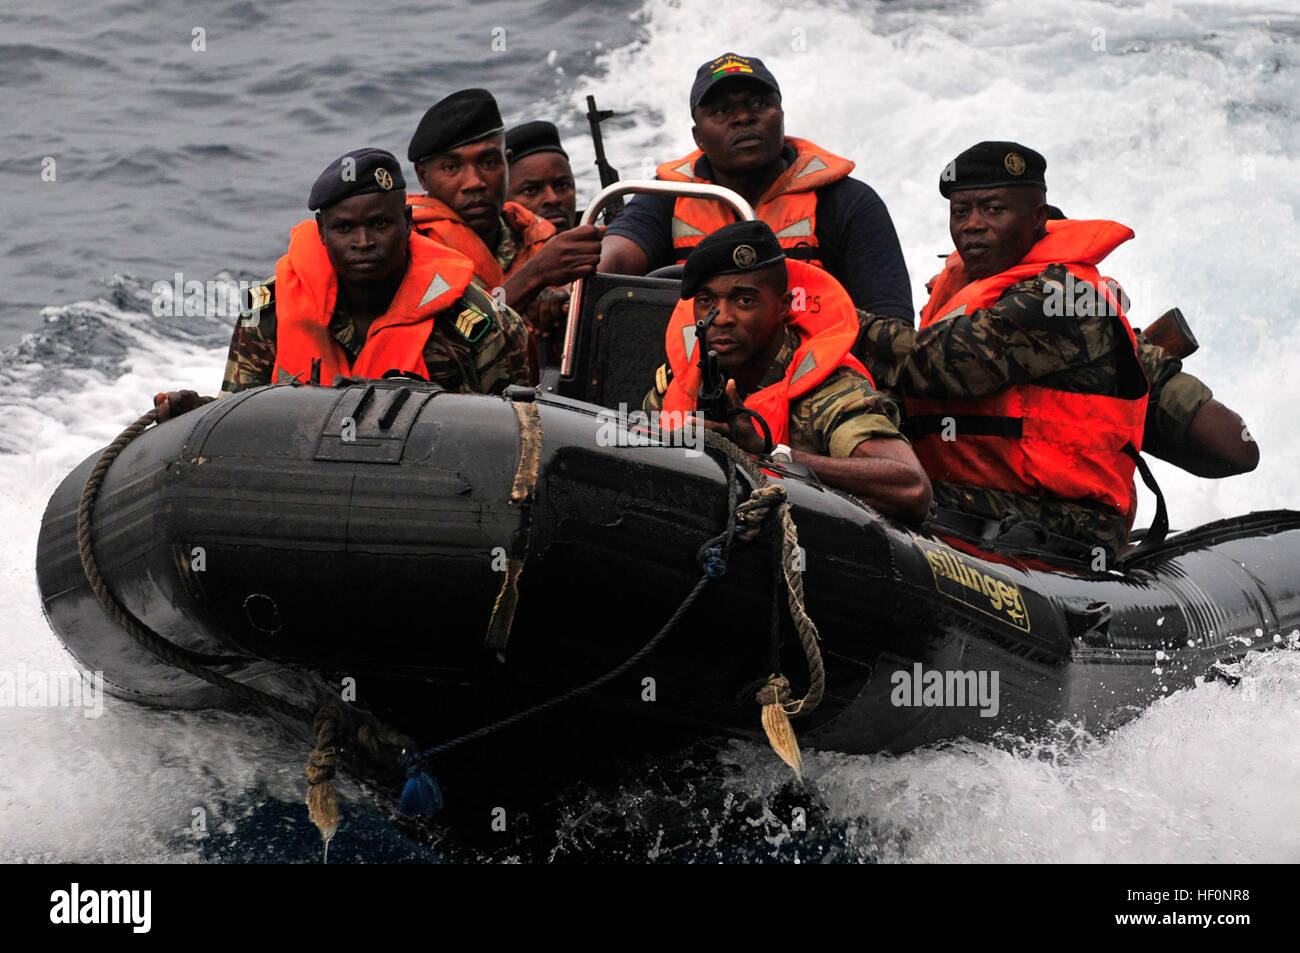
(1016, 341)
(829, 421)
(487, 365)
(507, 249)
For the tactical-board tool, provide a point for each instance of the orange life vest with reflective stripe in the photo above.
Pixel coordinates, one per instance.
(1029, 439)
(827, 327)
(306, 290)
(789, 205)
(434, 219)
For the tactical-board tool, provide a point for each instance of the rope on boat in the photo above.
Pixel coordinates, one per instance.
(712, 557)
(173, 654)
(745, 520)
(775, 695)
(765, 497)
(521, 493)
(330, 725)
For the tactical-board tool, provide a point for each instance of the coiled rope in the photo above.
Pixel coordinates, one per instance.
(331, 725)
(334, 723)
(752, 513)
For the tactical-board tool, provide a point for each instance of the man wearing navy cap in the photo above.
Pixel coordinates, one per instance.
(781, 338)
(541, 179)
(359, 295)
(459, 154)
(1028, 394)
(800, 189)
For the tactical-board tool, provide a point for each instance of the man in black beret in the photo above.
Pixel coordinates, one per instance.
(1027, 392)
(781, 337)
(459, 154)
(357, 269)
(541, 179)
(800, 189)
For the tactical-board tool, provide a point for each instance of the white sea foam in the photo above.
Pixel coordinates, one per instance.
(1163, 131)
(1160, 131)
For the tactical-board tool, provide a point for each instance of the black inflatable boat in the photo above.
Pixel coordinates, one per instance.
(309, 540)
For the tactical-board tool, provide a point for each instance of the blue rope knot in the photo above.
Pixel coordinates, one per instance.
(713, 562)
(421, 796)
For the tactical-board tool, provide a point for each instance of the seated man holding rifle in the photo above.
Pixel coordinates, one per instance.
(780, 332)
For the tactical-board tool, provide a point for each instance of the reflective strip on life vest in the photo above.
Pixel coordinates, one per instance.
(306, 290)
(789, 206)
(1029, 439)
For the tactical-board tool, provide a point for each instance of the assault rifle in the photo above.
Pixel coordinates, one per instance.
(712, 399)
(608, 174)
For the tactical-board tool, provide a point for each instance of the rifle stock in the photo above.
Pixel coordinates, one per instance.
(1172, 332)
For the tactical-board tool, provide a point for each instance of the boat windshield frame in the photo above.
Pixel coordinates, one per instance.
(703, 190)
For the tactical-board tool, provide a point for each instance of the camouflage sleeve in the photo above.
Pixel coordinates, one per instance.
(844, 411)
(1016, 340)
(883, 345)
(1175, 398)
(474, 348)
(654, 400)
(520, 346)
(251, 361)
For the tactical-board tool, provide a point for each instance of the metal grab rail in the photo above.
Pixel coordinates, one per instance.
(701, 190)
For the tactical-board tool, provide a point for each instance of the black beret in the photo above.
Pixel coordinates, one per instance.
(356, 173)
(463, 117)
(731, 250)
(536, 136)
(730, 66)
(993, 165)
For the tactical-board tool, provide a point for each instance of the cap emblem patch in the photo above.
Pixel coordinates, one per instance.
(735, 64)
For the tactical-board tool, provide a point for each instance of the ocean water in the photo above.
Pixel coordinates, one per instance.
(1178, 119)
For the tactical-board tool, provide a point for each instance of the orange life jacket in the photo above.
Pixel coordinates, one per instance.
(434, 219)
(789, 205)
(306, 289)
(827, 327)
(1029, 439)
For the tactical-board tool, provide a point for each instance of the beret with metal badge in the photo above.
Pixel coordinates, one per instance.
(732, 249)
(356, 173)
(993, 165)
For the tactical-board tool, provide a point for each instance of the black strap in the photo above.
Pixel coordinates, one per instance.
(804, 252)
(737, 413)
(969, 425)
(1160, 524)
(1011, 535)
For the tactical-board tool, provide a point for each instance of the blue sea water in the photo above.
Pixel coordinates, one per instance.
(130, 154)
